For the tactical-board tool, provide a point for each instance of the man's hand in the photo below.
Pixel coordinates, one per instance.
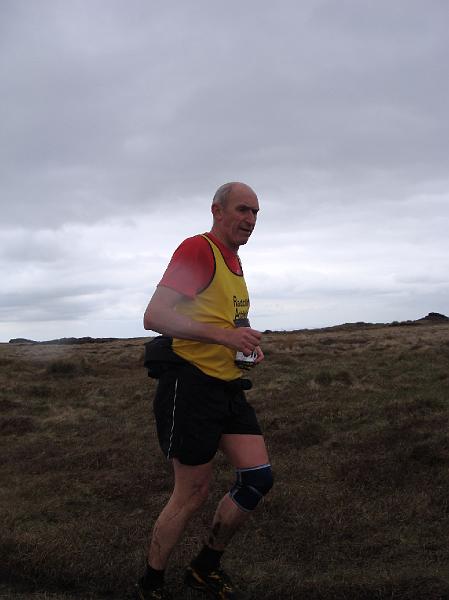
(260, 355)
(244, 339)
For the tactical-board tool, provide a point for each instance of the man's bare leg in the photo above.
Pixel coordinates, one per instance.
(189, 493)
(242, 451)
(204, 573)
(227, 520)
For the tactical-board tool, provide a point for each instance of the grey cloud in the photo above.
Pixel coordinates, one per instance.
(65, 293)
(28, 246)
(60, 309)
(121, 102)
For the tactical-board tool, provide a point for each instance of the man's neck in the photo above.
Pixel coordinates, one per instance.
(220, 238)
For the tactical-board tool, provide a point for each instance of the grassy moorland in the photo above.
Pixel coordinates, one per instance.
(356, 420)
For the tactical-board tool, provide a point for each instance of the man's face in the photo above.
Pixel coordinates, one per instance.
(236, 220)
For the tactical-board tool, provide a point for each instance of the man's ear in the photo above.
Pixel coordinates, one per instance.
(216, 210)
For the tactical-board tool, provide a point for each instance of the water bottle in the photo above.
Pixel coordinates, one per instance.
(242, 361)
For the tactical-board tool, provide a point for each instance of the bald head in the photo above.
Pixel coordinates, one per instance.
(227, 190)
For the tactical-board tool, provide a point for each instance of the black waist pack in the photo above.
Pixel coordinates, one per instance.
(159, 356)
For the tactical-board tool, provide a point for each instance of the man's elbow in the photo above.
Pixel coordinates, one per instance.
(152, 320)
(148, 321)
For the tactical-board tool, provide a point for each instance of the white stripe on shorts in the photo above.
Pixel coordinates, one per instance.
(173, 419)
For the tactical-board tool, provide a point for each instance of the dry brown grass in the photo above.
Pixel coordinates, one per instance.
(356, 423)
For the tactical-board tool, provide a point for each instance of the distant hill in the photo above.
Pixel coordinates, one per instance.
(432, 317)
(65, 341)
(435, 318)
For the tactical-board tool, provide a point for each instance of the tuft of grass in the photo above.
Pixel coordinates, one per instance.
(17, 425)
(69, 368)
(6, 362)
(343, 377)
(40, 391)
(324, 377)
(62, 368)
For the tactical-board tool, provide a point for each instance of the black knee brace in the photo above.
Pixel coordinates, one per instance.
(251, 486)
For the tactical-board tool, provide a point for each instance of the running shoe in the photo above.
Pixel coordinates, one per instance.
(216, 583)
(159, 593)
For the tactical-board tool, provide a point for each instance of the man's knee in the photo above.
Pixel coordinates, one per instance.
(251, 486)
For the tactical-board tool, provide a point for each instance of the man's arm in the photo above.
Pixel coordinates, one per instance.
(162, 317)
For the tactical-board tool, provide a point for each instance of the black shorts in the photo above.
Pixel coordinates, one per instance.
(193, 410)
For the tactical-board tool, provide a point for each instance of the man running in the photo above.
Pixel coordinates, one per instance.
(200, 404)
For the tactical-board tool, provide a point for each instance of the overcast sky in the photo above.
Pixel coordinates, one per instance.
(120, 118)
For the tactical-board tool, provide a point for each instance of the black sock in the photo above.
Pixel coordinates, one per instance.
(153, 578)
(208, 559)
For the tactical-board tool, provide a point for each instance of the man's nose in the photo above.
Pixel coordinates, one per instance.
(251, 218)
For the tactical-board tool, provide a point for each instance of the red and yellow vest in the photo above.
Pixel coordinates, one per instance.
(224, 300)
